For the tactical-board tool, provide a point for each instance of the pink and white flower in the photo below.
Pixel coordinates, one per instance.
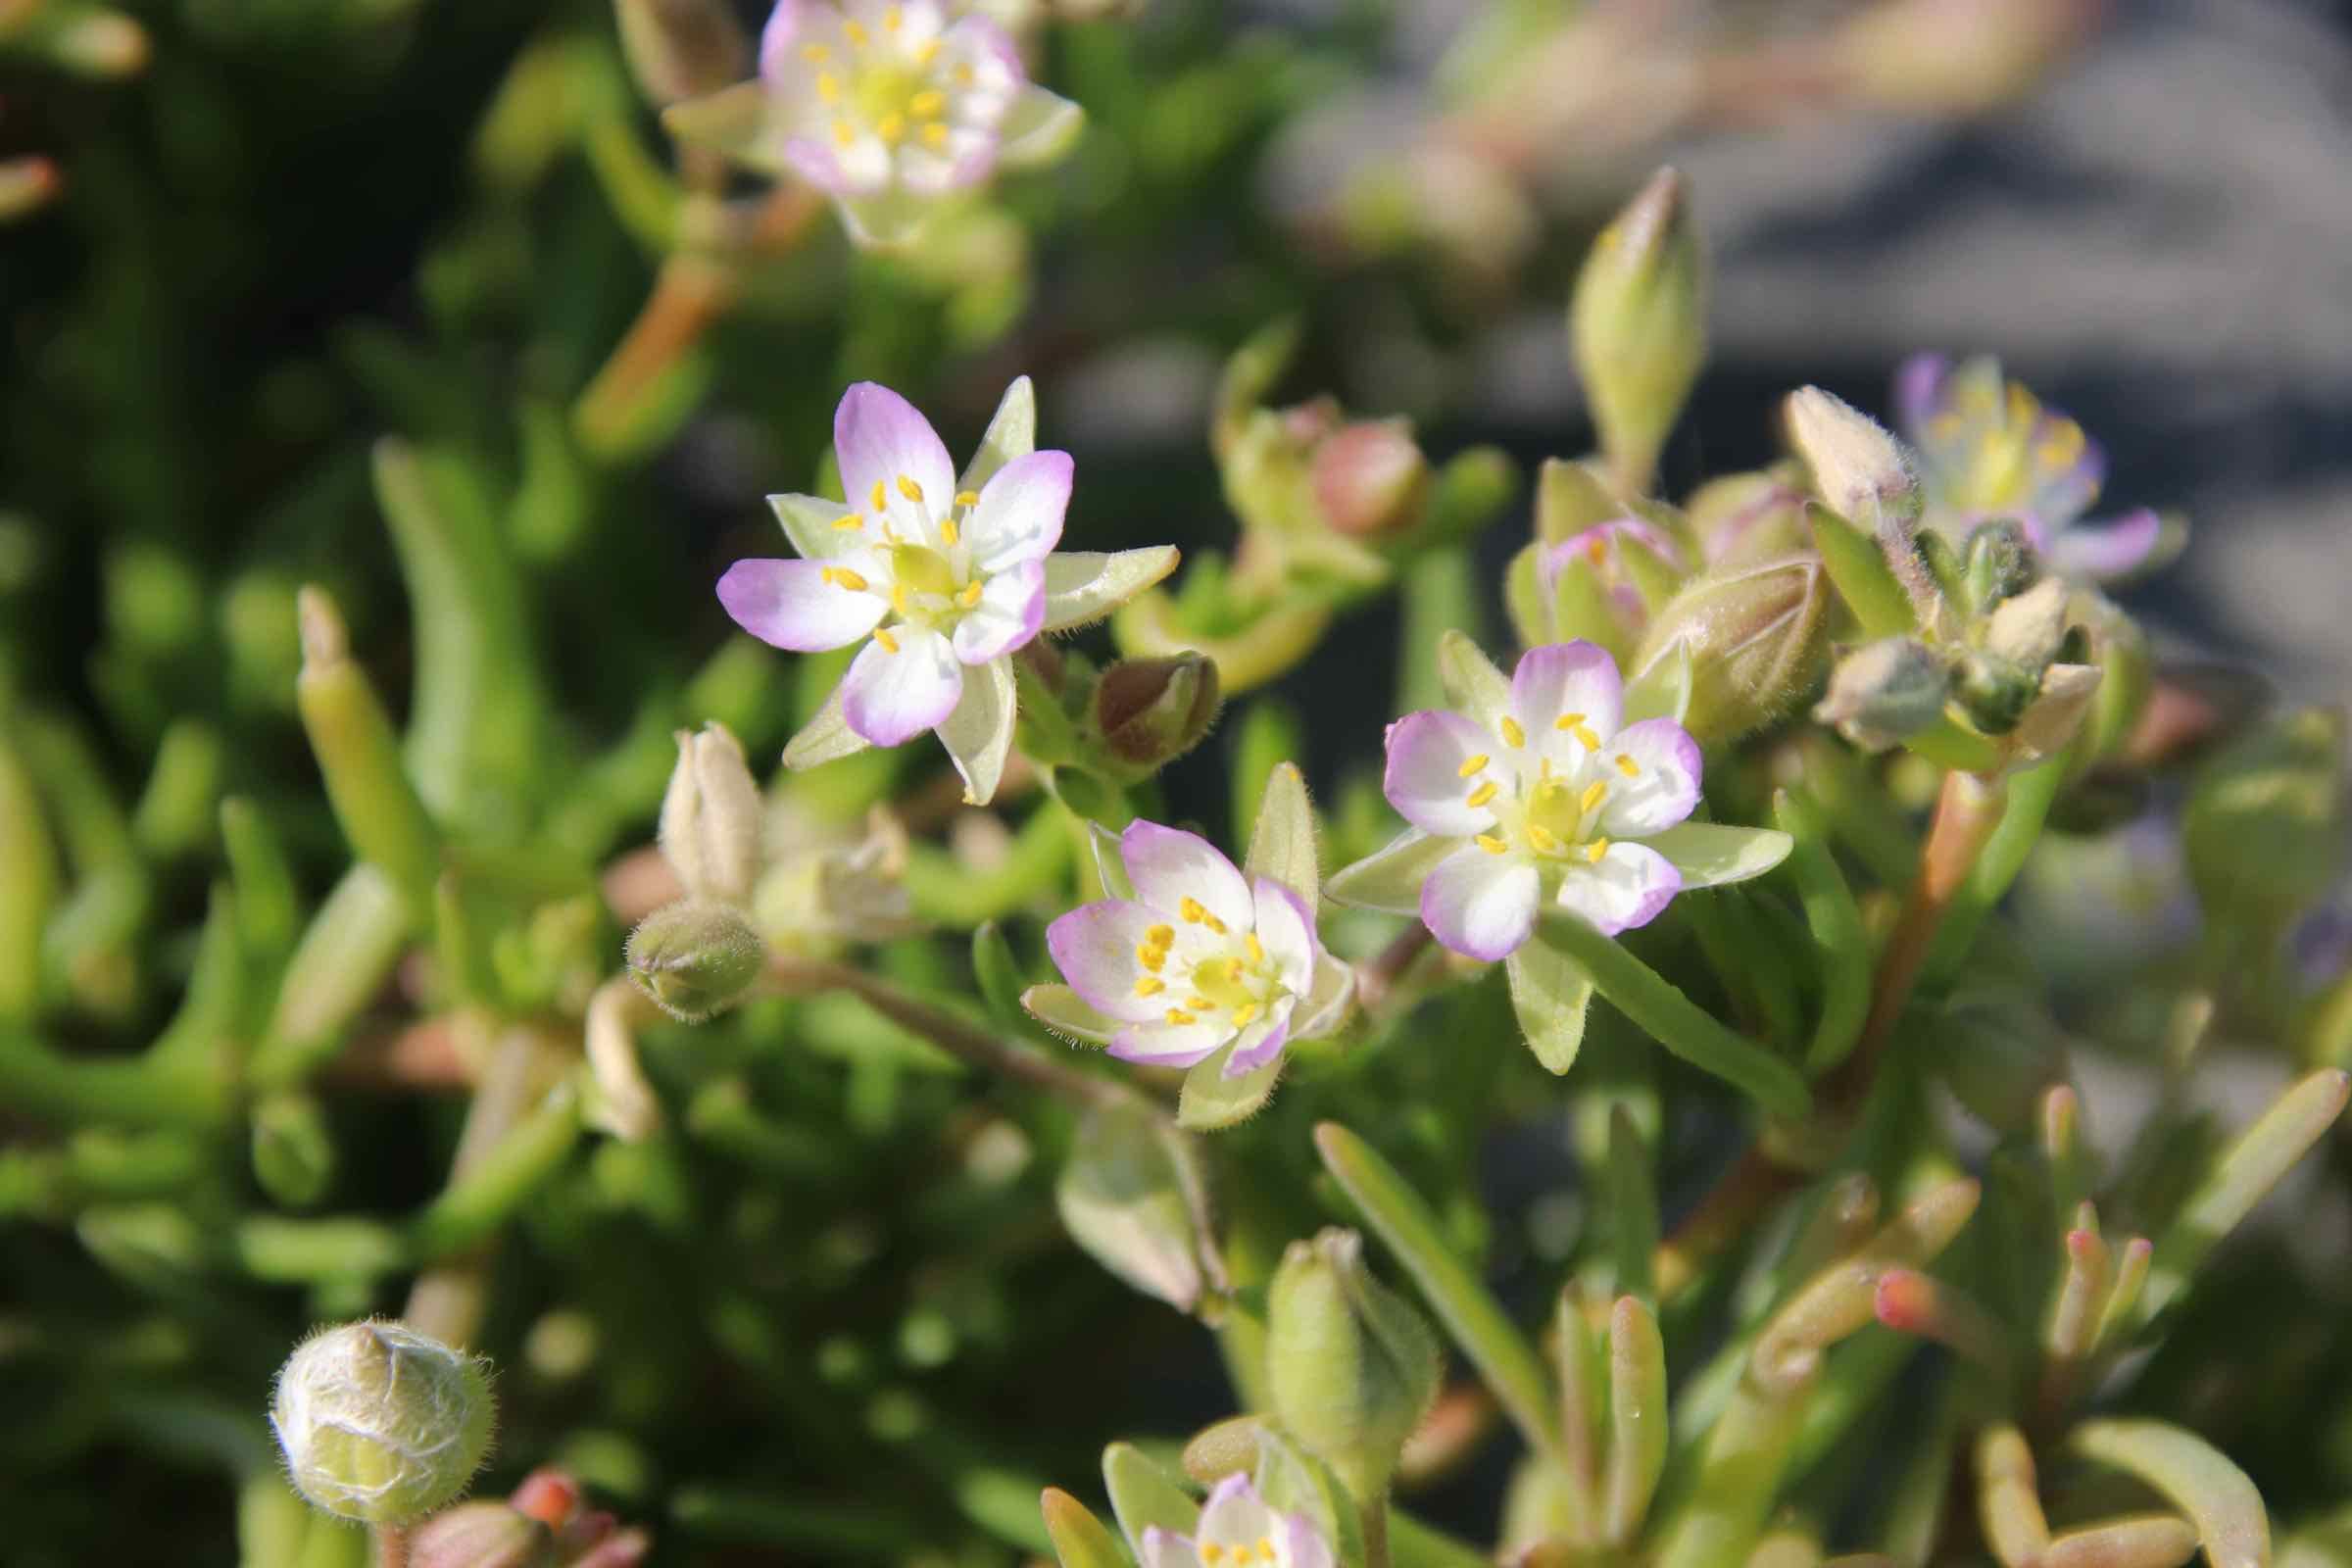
(1543, 797)
(1239, 1528)
(941, 578)
(1198, 959)
(887, 106)
(1989, 449)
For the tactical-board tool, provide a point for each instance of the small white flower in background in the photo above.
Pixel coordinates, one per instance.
(1198, 958)
(888, 108)
(947, 576)
(1239, 1528)
(1542, 797)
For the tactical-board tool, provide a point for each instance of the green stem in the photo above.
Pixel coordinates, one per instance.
(1835, 921)
(2003, 856)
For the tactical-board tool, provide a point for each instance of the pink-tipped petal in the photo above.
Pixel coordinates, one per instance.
(881, 438)
(1308, 1548)
(1626, 888)
(1169, 865)
(792, 603)
(1918, 391)
(889, 698)
(1235, 1515)
(1287, 932)
(820, 165)
(1662, 787)
(1165, 1548)
(1012, 608)
(1260, 1043)
(2113, 548)
(1172, 1044)
(1481, 905)
(1576, 680)
(1430, 778)
(1020, 510)
(776, 39)
(1096, 947)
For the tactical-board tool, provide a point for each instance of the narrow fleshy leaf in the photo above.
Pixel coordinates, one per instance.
(826, 738)
(1143, 1495)
(2197, 1477)
(1633, 1198)
(1710, 854)
(1453, 1292)
(1550, 993)
(1282, 845)
(1011, 433)
(1638, 1418)
(1066, 1013)
(1084, 585)
(1211, 1100)
(1472, 682)
(1857, 564)
(1390, 878)
(1844, 1297)
(1080, 1539)
(2149, 1541)
(2009, 1499)
(1833, 918)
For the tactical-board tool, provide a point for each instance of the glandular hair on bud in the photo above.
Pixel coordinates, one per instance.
(696, 957)
(1858, 469)
(1150, 712)
(1756, 637)
(1351, 1364)
(710, 814)
(379, 1423)
(1371, 480)
(1638, 324)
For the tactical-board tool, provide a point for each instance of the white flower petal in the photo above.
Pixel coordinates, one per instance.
(1431, 775)
(1287, 932)
(1261, 1042)
(1626, 888)
(800, 605)
(1481, 905)
(1019, 515)
(881, 438)
(1096, 947)
(1011, 609)
(890, 697)
(1169, 865)
(1172, 1044)
(1651, 770)
(1575, 681)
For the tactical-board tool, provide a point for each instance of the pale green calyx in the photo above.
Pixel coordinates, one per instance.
(696, 957)
(1352, 1365)
(379, 1423)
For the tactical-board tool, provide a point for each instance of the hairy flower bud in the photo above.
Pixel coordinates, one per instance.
(1638, 326)
(1571, 497)
(1755, 635)
(1370, 478)
(1858, 469)
(1744, 518)
(696, 957)
(1150, 712)
(709, 831)
(1884, 692)
(379, 1423)
(1351, 1364)
(482, 1534)
(1123, 1197)
(2028, 627)
(680, 49)
(2266, 818)
(1994, 690)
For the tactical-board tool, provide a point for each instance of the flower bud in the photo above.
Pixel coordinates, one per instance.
(1755, 635)
(1150, 712)
(1749, 517)
(1639, 327)
(1370, 478)
(482, 1534)
(1884, 692)
(1122, 1198)
(1571, 497)
(1351, 1364)
(2265, 822)
(1996, 561)
(1995, 691)
(2061, 703)
(2027, 627)
(379, 1423)
(680, 49)
(709, 831)
(1858, 469)
(696, 957)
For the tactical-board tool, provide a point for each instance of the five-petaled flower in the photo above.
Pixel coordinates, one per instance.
(1198, 958)
(886, 106)
(1542, 797)
(1989, 449)
(947, 576)
(1239, 1528)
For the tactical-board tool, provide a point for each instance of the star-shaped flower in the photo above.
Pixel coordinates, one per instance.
(1239, 1528)
(943, 578)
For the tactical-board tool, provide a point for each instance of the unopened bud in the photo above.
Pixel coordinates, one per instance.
(1571, 497)
(2028, 628)
(1122, 1198)
(681, 49)
(1749, 517)
(1996, 561)
(2265, 823)
(2060, 706)
(379, 1423)
(1884, 692)
(1858, 469)
(709, 831)
(1755, 635)
(696, 957)
(1638, 326)
(1150, 712)
(1352, 1365)
(1370, 478)
(1993, 691)
(482, 1534)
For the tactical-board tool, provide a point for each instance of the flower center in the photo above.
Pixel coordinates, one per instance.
(1551, 815)
(1233, 981)
(876, 82)
(933, 582)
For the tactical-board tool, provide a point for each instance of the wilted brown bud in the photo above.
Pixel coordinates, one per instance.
(1150, 712)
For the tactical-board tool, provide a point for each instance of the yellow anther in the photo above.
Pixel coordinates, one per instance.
(966, 75)
(879, 497)
(1595, 792)
(1265, 1548)
(1159, 936)
(848, 522)
(1584, 737)
(1627, 766)
(1149, 986)
(1511, 731)
(926, 51)
(948, 533)
(1543, 838)
(892, 129)
(935, 135)
(842, 577)
(1254, 948)
(970, 595)
(967, 497)
(1567, 721)
(817, 54)
(899, 600)
(856, 33)
(882, 635)
(1200, 1004)
(1244, 1013)
(1212, 1553)
(893, 19)
(1151, 957)
(1176, 1016)
(1483, 793)
(930, 104)
(1235, 968)
(911, 490)
(1490, 844)
(828, 87)
(1213, 923)
(1192, 911)
(1472, 765)
(843, 132)
(2022, 407)
(1595, 851)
